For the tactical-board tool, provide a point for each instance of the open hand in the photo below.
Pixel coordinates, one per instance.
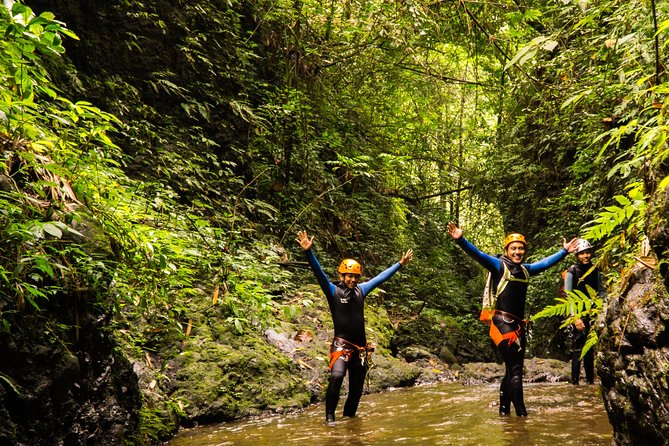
(571, 245)
(454, 231)
(406, 257)
(303, 239)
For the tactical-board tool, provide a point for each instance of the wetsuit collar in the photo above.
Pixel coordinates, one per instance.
(513, 267)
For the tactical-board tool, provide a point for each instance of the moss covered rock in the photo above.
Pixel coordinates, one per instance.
(241, 377)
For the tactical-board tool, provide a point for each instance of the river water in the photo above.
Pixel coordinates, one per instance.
(437, 414)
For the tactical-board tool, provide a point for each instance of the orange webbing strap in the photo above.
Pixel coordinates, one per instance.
(348, 349)
(334, 355)
(497, 336)
(486, 316)
(351, 346)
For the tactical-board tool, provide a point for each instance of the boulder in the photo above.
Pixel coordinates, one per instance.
(633, 358)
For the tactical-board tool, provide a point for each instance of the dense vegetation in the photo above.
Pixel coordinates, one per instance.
(165, 161)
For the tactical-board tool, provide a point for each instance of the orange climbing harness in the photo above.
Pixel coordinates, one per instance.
(343, 348)
(512, 336)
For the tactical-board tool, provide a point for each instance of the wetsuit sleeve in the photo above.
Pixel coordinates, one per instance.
(327, 286)
(491, 263)
(569, 281)
(368, 286)
(569, 286)
(600, 287)
(542, 265)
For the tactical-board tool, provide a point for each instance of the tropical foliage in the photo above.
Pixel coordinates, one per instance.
(204, 135)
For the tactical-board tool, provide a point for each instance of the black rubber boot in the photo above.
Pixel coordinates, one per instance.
(504, 402)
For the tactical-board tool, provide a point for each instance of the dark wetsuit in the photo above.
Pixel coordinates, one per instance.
(508, 318)
(574, 280)
(347, 310)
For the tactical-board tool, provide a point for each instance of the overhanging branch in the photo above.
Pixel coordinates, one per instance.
(444, 78)
(425, 197)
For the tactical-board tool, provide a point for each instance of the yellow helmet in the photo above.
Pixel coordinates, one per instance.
(349, 266)
(514, 237)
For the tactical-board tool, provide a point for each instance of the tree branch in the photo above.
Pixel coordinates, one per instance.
(444, 78)
(657, 43)
(425, 197)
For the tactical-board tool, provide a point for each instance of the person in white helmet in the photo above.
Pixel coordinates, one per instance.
(578, 277)
(349, 351)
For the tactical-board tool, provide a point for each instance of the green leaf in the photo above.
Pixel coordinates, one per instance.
(10, 383)
(575, 99)
(43, 264)
(52, 229)
(623, 200)
(521, 54)
(663, 184)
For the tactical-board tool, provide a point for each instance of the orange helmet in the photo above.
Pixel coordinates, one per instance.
(514, 237)
(349, 266)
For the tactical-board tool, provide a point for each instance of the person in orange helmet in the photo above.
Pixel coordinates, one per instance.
(507, 328)
(349, 351)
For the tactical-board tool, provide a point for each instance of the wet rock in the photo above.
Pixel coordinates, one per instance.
(536, 370)
(238, 378)
(455, 340)
(50, 395)
(414, 353)
(633, 359)
(547, 370)
(391, 372)
(447, 356)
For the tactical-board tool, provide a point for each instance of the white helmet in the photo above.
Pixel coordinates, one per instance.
(582, 245)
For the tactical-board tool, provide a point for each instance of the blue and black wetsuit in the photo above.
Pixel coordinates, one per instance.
(577, 279)
(508, 326)
(347, 310)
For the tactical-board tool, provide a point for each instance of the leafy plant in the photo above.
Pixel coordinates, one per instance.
(620, 226)
(575, 305)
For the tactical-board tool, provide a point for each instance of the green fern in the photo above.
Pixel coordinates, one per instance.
(622, 223)
(590, 342)
(576, 305)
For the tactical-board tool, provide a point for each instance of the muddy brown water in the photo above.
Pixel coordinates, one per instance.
(437, 414)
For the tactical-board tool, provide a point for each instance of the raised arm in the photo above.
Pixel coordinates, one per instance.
(491, 263)
(368, 287)
(545, 263)
(306, 244)
(406, 257)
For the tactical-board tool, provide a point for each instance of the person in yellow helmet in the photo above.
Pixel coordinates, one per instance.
(507, 329)
(349, 350)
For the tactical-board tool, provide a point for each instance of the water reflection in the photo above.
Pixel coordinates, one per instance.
(441, 414)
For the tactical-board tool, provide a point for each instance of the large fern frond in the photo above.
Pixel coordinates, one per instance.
(575, 305)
